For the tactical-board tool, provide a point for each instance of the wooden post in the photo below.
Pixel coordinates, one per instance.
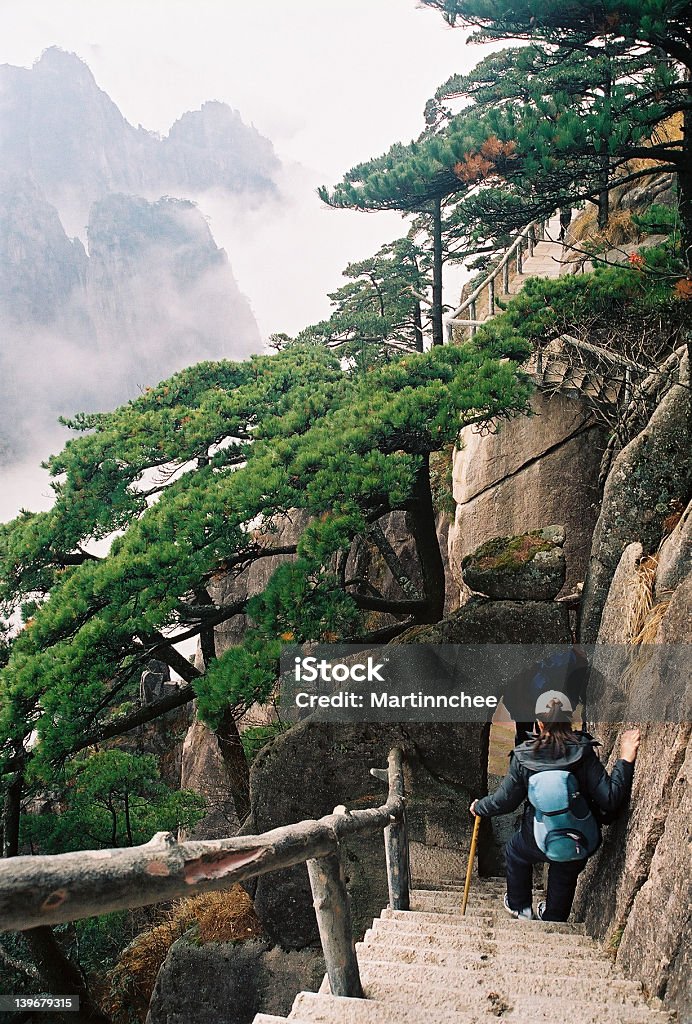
(491, 297)
(396, 842)
(505, 278)
(519, 258)
(532, 240)
(331, 903)
(472, 316)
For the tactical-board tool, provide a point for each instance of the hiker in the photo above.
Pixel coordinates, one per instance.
(564, 668)
(565, 221)
(569, 794)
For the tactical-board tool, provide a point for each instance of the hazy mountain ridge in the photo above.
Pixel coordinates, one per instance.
(59, 127)
(86, 329)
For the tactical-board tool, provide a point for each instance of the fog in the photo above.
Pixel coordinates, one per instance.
(329, 84)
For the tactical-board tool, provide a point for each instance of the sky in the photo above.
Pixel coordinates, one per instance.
(330, 82)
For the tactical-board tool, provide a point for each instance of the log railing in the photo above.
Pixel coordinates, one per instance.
(47, 890)
(527, 239)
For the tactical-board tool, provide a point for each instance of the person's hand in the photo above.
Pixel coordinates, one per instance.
(472, 808)
(629, 744)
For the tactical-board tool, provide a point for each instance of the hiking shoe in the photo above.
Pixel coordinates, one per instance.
(523, 915)
(540, 910)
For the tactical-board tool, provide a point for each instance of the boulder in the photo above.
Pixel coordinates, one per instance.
(653, 471)
(482, 621)
(613, 628)
(205, 771)
(314, 766)
(230, 981)
(535, 470)
(530, 567)
(675, 557)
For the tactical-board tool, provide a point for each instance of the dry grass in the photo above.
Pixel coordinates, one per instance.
(216, 916)
(640, 597)
(620, 230)
(649, 627)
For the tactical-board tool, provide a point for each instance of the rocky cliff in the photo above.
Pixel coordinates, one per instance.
(87, 332)
(85, 329)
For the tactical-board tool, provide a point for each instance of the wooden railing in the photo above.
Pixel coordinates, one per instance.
(528, 238)
(46, 890)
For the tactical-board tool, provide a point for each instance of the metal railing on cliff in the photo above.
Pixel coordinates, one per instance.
(47, 890)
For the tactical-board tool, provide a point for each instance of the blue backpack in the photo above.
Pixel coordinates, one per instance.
(564, 827)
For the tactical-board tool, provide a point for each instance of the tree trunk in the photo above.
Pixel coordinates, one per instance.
(685, 190)
(56, 971)
(60, 976)
(418, 327)
(604, 194)
(438, 336)
(231, 748)
(428, 546)
(604, 202)
(11, 813)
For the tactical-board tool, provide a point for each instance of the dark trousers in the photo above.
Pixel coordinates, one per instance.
(521, 853)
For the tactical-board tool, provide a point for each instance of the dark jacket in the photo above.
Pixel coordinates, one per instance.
(605, 794)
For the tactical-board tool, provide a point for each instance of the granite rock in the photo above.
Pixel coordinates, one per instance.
(530, 567)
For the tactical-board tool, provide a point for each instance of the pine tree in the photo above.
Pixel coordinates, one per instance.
(190, 481)
(639, 57)
(378, 311)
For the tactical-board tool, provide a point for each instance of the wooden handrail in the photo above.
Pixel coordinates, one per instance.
(52, 889)
(489, 281)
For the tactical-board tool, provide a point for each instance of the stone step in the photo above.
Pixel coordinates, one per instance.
(467, 935)
(470, 985)
(550, 946)
(311, 1008)
(503, 924)
(472, 913)
(496, 883)
(473, 959)
(268, 1018)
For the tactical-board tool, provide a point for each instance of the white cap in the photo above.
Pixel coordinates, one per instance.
(546, 701)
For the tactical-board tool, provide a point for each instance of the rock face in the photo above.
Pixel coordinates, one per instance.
(675, 557)
(535, 470)
(650, 473)
(204, 771)
(154, 295)
(309, 770)
(230, 982)
(613, 628)
(530, 567)
(634, 893)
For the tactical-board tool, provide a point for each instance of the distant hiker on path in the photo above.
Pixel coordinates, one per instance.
(568, 794)
(565, 221)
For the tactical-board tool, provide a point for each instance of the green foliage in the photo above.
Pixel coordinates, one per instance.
(187, 474)
(615, 303)
(542, 126)
(378, 312)
(110, 798)
(258, 736)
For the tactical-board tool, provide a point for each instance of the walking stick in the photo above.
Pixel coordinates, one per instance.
(472, 854)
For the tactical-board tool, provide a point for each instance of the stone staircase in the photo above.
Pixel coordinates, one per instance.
(430, 965)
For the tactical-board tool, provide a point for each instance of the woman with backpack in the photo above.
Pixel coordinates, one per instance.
(568, 794)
